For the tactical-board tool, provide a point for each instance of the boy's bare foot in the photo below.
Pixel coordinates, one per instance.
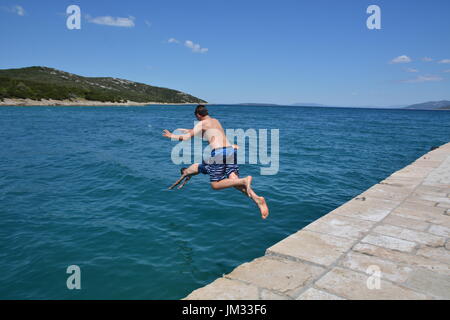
(261, 202)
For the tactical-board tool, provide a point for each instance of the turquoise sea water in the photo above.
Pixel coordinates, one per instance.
(87, 186)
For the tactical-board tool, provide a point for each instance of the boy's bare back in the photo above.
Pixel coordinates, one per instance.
(213, 131)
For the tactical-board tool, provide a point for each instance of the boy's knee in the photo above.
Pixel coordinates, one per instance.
(233, 175)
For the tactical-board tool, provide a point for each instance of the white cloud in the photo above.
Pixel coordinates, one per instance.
(19, 10)
(420, 79)
(401, 59)
(112, 21)
(411, 70)
(173, 40)
(427, 59)
(148, 23)
(195, 47)
(446, 70)
(444, 61)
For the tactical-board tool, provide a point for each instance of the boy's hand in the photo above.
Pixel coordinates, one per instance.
(167, 134)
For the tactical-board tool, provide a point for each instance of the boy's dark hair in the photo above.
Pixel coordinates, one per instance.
(201, 110)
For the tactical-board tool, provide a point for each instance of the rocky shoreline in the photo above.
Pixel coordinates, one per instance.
(81, 103)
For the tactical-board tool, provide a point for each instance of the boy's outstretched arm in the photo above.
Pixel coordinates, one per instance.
(188, 135)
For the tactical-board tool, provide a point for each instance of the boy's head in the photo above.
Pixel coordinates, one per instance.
(201, 111)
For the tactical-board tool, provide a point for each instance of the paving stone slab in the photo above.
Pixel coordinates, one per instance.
(403, 182)
(269, 295)
(437, 156)
(389, 270)
(434, 215)
(410, 235)
(315, 294)
(354, 285)
(416, 206)
(425, 203)
(311, 246)
(406, 222)
(389, 242)
(435, 184)
(368, 209)
(439, 230)
(427, 163)
(387, 192)
(403, 258)
(432, 190)
(413, 172)
(443, 205)
(441, 174)
(439, 254)
(430, 197)
(284, 276)
(431, 283)
(341, 226)
(225, 289)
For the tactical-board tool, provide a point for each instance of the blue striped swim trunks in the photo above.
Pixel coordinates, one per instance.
(221, 164)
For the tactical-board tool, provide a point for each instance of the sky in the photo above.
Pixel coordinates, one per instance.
(243, 51)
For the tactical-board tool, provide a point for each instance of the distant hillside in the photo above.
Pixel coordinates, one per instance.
(38, 83)
(257, 104)
(431, 105)
(308, 104)
(312, 104)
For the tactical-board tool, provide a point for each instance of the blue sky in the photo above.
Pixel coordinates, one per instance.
(231, 51)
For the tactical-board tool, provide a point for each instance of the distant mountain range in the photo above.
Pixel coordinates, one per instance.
(257, 104)
(309, 104)
(38, 83)
(432, 105)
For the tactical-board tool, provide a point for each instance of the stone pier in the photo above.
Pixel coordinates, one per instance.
(390, 242)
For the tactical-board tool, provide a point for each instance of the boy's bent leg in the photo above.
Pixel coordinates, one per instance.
(191, 170)
(242, 189)
(228, 183)
(186, 174)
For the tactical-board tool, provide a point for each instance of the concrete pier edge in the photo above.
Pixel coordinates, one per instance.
(389, 242)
